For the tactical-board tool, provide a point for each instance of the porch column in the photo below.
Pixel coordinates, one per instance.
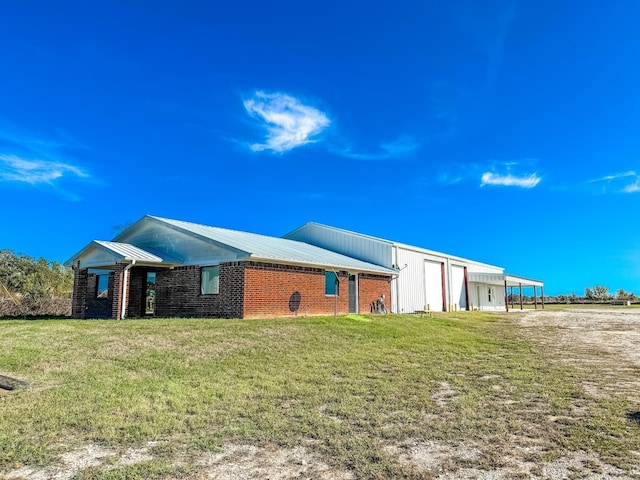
(116, 301)
(79, 298)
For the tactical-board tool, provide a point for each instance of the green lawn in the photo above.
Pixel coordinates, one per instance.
(345, 386)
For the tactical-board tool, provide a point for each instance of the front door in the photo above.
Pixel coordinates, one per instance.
(353, 294)
(150, 294)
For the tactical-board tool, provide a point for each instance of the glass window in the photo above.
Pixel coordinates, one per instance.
(489, 291)
(210, 280)
(102, 290)
(331, 285)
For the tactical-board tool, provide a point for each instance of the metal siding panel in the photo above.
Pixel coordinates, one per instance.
(364, 248)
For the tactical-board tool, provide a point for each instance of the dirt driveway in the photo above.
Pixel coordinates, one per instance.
(603, 342)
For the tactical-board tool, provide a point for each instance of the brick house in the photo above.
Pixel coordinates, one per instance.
(171, 268)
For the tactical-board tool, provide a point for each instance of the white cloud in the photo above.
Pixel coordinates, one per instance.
(509, 180)
(400, 147)
(632, 187)
(614, 182)
(609, 178)
(289, 123)
(14, 168)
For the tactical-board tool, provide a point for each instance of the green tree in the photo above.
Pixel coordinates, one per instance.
(34, 286)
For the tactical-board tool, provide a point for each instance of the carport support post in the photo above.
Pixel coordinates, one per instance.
(520, 291)
(542, 296)
(535, 298)
(506, 296)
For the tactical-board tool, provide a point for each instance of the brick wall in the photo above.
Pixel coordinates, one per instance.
(79, 298)
(370, 287)
(178, 293)
(284, 290)
(116, 291)
(247, 290)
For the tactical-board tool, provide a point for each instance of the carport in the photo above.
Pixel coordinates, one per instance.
(509, 282)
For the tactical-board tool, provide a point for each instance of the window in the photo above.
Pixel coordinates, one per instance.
(489, 291)
(331, 284)
(102, 285)
(210, 280)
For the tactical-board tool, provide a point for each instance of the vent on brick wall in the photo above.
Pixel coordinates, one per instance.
(294, 302)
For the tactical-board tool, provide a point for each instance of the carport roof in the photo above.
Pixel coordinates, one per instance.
(500, 279)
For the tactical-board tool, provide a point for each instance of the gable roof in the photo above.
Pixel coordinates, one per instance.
(99, 253)
(274, 249)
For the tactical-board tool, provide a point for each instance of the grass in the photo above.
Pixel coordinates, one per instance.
(345, 387)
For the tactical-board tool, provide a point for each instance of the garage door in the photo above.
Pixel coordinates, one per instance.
(433, 285)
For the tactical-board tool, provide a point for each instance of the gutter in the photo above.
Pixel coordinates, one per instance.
(125, 284)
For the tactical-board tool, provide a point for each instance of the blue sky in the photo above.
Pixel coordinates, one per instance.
(502, 131)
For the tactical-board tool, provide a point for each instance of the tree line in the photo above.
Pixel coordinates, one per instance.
(595, 294)
(33, 287)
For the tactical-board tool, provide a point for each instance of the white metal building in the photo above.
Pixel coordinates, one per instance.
(425, 279)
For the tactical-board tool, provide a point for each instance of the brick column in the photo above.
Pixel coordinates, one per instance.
(116, 300)
(79, 299)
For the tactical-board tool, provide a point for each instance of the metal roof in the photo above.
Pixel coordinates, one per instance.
(100, 253)
(129, 252)
(265, 248)
(404, 246)
(499, 279)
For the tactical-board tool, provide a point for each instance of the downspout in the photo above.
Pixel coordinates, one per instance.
(125, 285)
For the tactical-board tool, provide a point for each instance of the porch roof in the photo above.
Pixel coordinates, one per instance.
(103, 254)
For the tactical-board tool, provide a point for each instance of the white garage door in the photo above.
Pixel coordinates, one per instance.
(433, 285)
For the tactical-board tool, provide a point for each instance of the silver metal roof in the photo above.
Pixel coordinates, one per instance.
(100, 253)
(129, 252)
(300, 234)
(265, 248)
(499, 279)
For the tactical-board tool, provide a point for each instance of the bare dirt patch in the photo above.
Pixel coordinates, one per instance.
(606, 341)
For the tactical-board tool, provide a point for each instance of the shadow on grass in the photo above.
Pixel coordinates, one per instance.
(634, 417)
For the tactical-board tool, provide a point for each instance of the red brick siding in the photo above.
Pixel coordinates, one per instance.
(281, 290)
(247, 290)
(370, 287)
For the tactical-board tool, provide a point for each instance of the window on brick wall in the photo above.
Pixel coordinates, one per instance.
(102, 285)
(331, 285)
(210, 280)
